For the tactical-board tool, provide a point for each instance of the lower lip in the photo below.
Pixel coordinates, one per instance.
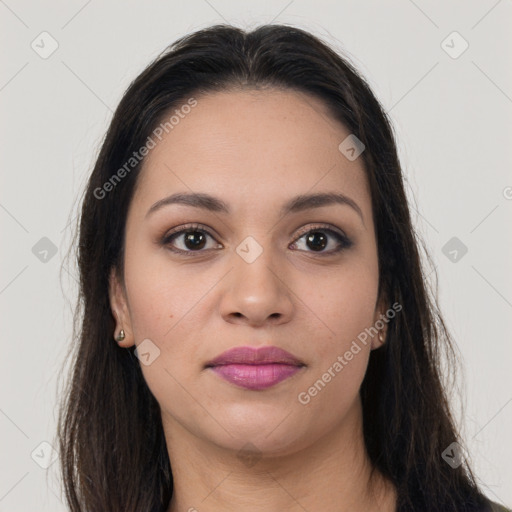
(255, 376)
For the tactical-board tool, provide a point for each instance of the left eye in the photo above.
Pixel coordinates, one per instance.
(317, 239)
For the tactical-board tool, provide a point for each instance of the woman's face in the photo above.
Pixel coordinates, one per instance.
(252, 276)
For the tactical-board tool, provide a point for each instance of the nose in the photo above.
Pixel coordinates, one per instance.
(256, 293)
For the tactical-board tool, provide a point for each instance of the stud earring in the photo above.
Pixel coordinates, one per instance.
(381, 337)
(121, 336)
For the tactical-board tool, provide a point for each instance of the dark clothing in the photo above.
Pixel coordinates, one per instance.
(491, 506)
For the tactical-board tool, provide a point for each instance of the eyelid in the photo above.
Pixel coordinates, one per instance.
(188, 227)
(344, 241)
(319, 226)
(179, 231)
(207, 229)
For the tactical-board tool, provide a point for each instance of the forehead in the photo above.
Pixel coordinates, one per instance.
(253, 148)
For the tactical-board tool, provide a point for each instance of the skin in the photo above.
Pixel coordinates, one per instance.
(255, 150)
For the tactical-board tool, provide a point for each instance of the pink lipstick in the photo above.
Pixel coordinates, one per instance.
(255, 369)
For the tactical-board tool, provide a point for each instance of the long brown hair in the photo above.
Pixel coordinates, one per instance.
(113, 452)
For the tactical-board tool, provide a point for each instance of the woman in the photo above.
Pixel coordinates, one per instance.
(256, 332)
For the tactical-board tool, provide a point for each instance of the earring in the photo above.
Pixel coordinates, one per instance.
(381, 337)
(120, 336)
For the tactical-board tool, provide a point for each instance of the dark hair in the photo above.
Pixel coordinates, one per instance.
(113, 452)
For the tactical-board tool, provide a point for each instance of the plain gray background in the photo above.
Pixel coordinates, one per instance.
(452, 111)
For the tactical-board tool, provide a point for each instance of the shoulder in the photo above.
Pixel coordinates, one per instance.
(491, 506)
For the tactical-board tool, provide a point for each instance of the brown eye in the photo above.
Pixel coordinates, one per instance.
(194, 240)
(318, 238)
(188, 240)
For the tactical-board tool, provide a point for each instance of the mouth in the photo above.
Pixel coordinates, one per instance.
(255, 369)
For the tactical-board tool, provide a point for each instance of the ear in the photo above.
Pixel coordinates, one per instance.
(379, 319)
(120, 311)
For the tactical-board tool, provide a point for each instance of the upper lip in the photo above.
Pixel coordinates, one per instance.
(252, 355)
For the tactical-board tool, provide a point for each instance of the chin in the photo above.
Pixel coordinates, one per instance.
(269, 430)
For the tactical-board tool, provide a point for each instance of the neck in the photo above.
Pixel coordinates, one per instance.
(333, 475)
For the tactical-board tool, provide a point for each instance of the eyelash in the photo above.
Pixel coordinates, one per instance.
(344, 241)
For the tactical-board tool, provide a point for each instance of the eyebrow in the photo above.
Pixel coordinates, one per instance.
(294, 205)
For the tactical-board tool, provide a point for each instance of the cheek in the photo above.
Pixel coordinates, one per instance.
(170, 305)
(344, 304)
(161, 297)
(164, 304)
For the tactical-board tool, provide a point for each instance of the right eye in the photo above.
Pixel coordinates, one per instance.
(193, 239)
